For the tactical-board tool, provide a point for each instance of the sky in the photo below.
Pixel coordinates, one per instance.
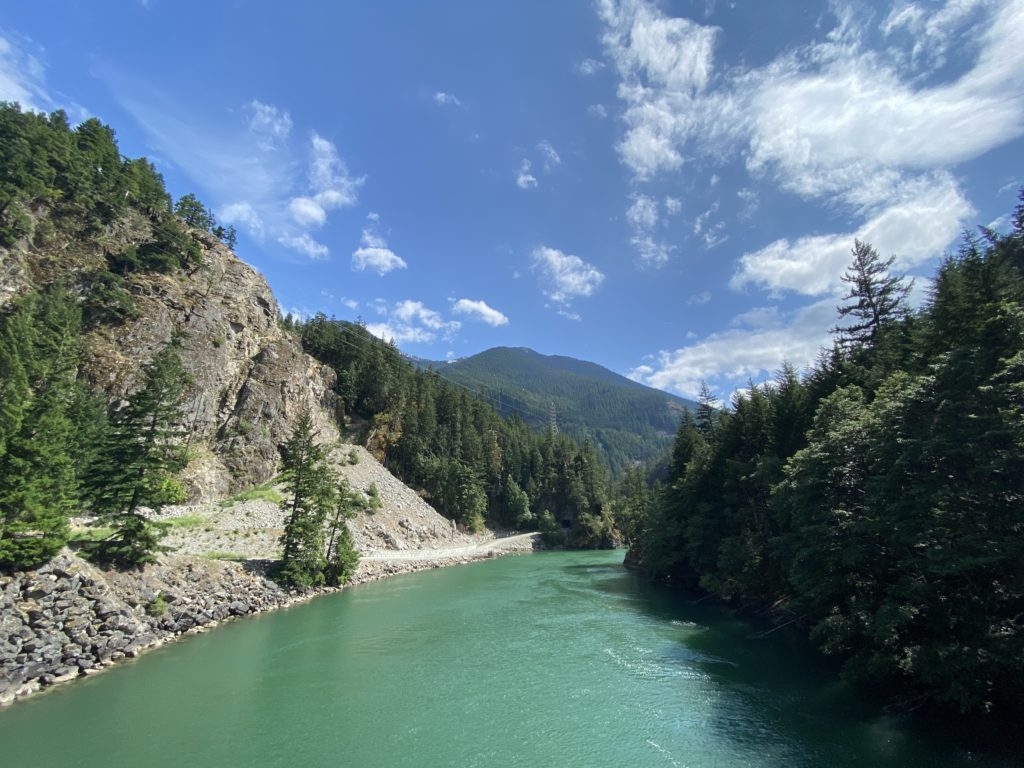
(669, 189)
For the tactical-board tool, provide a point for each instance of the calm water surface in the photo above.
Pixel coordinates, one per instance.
(556, 659)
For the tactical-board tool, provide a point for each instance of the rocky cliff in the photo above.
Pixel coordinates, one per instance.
(249, 377)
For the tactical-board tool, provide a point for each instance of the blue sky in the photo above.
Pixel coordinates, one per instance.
(668, 189)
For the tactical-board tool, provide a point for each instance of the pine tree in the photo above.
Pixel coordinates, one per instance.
(342, 557)
(312, 495)
(136, 464)
(878, 297)
(39, 350)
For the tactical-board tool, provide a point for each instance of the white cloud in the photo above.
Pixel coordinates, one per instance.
(699, 299)
(644, 217)
(22, 78)
(307, 212)
(643, 213)
(597, 110)
(551, 157)
(673, 205)
(411, 321)
(269, 121)
(590, 66)
(255, 173)
(447, 99)
(525, 179)
(329, 176)
(725, 360)
(481, 311)
(833, 121)
(652, 252)
(929, 215)
(374, 253)
(566, 276)
(305, 245)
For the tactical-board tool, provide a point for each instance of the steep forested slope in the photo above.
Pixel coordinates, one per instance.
(880, 499)
(625, 421)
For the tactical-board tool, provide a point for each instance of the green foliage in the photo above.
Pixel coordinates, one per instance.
(158, 606)
(265, 492)
(311, 496)
(41, 407)
(138, 459)
(625, 421)
(468, 461)
(881, 499)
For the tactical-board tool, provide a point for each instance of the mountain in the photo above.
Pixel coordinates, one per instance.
(624, 420)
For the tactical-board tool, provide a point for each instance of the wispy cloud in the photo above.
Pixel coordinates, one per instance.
(374, 253)
(446, 99)
(22, 77)
(589, 66)
(835, 121)
(566, 277)
(550, 156)
(644, 216)
(258, 174)
(480, 310)
(525, 179)
(755, 351)
(598, 110)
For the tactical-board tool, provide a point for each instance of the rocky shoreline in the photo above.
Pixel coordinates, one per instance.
(69, 619)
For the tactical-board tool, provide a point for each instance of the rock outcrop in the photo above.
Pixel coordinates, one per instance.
(249, 377)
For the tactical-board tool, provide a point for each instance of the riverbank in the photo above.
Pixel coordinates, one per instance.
(69, 619)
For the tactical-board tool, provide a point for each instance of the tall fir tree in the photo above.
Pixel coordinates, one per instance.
(312, 496)
(142, 451)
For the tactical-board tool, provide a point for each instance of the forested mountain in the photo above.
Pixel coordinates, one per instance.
(451, 444)
(879, 501)
(626, 422)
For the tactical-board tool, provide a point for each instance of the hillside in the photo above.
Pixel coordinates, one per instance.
(624, 420)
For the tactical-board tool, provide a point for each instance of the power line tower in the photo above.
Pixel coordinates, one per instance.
(552, 417)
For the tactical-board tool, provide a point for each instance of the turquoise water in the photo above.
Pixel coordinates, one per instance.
(555, 659)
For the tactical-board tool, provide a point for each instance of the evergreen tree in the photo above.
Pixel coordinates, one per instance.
(877, 297)
(137, 462)
(342, 558)
(312, 496)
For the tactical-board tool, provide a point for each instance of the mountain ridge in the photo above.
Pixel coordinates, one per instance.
(626, 421)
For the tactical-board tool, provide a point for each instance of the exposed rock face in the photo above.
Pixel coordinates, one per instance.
(249, 378)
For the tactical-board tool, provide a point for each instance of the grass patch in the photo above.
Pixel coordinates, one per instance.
(232, 556)
(265, 492)
(90, 535)
(185, 521)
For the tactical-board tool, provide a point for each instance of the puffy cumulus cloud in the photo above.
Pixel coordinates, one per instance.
(307, 212)
(925, 220)
(728, 359)
(374, 253)
(567, 277)
(480, 311)
(446, 99)
(411, 321)
(525, 179)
